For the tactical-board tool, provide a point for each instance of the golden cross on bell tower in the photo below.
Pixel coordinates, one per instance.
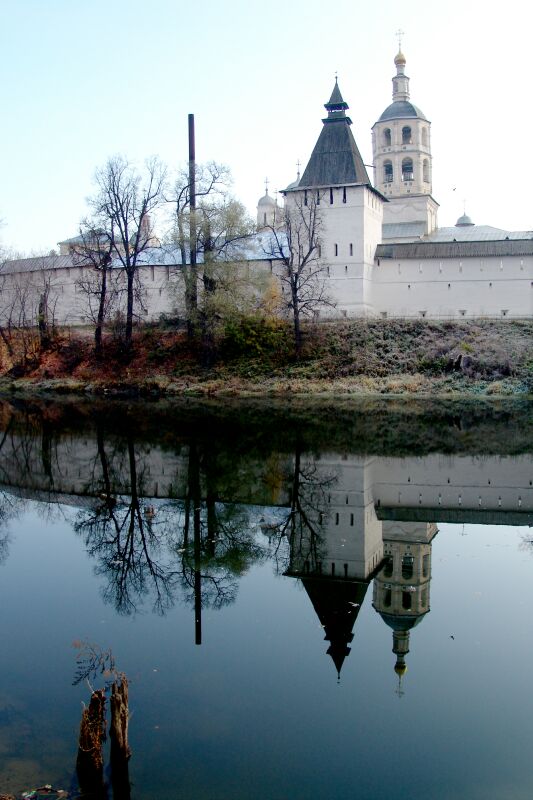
(399, 34)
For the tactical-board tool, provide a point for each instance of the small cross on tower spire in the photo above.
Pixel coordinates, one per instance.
(399, 34)
(266, 185)
(298, 165)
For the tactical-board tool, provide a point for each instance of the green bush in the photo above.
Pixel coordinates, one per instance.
(257, 337)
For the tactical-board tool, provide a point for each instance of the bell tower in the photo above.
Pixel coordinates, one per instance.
(401, 145)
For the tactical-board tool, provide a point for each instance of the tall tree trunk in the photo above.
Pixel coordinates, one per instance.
(129, 309)
(100, 317)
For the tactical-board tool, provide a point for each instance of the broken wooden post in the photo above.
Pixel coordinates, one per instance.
(90, 760)
(118, 733)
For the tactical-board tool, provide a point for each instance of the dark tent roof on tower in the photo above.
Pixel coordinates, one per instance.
(335, 160)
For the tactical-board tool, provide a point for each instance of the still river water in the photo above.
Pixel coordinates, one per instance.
(309, 602)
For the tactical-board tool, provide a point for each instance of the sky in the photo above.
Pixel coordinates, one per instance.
(83, 80)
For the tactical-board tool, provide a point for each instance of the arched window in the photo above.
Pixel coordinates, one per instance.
(387, 598)
(407, 169)
(406, 601)
(387, 137)
(425, 169)
(388, 567)
(388, 172)
(425, 137)
(407, 567)
(406, 135)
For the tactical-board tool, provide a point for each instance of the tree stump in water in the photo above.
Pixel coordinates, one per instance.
(90, 760)
(118, 733)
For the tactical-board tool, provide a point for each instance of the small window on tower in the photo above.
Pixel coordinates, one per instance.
(331, 196)
(387, 137)
(344, 194)
(351, 249)
(305, 197)
(318, 198)
(336, 249)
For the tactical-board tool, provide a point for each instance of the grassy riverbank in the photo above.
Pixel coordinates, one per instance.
(254, 358)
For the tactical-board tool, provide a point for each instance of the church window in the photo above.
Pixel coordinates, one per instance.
(425, 170)
(406, 135)
(152, 273)
(407, 601)
(318, 198)
(346, 269)
(387, 137)
(305, 197)
(407, 567)
(407, 169)
(336, 249)
(344, 194)
(168, 273)
(331, 197)
(387, 598)
(351, 249)
(337, 518)
(351, 520)
(388, 172)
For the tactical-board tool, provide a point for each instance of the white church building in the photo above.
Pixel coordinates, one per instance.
(381, 250)
(384, 252)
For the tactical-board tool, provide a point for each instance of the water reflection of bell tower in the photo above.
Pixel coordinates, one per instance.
(401, 589)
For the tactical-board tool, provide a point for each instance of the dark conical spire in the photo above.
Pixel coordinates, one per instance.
(337, 605)
(336, 160)
(336, 101)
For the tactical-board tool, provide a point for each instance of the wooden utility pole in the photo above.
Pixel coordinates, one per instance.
(193, 287)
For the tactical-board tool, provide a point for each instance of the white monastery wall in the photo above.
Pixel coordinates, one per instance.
(454, 288)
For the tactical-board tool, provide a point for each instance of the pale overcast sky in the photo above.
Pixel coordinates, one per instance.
(86, 79)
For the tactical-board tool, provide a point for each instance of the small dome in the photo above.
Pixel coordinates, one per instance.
(400, 59)
(266, 200)
(463, 221)
(400, 668)
(294, 184)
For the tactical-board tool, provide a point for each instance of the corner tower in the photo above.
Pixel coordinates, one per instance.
(401, 145)
(336, 183)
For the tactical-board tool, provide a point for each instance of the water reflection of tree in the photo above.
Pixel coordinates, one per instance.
(121, 531)
(299, 542)
(197, 544)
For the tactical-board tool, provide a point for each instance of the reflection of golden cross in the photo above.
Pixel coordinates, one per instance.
(266, 185)
(399, 34)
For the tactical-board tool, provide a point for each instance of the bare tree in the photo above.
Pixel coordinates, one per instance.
(94, 251)
(122, 207)
(28, 300)
(296, 246)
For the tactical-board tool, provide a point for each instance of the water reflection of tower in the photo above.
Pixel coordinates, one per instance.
(335, 543)
(401, 589)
